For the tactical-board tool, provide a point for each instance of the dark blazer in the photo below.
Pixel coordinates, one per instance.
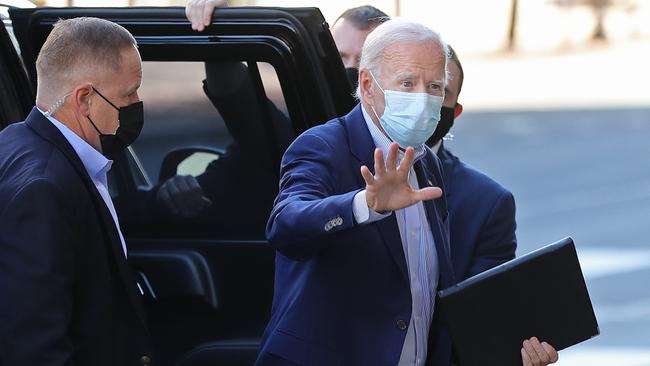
(342, 293)
(67, 296)
(481, 218)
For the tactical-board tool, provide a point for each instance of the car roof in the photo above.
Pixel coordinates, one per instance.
(5, 4)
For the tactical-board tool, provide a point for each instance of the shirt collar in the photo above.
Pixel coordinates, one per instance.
(96, 164)
(435, 148)
(383, 142)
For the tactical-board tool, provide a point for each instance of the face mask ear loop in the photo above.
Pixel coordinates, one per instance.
(382, 90)
(103, 97)
(376, 82)
(95, 126)
(374, 111)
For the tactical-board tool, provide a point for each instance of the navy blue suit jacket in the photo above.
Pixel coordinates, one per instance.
(342, 294)
(481, 218)
(67, 296)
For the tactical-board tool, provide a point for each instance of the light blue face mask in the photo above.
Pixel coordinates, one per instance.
(409, 118)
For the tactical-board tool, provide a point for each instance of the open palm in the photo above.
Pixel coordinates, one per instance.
(389, 189)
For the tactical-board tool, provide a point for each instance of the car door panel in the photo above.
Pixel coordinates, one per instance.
(174, 274)
(184, 321)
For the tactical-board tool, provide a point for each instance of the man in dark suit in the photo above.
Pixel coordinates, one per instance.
(361, 255)
(481, 211)
(67, 296)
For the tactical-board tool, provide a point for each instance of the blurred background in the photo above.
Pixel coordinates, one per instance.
(557, 110)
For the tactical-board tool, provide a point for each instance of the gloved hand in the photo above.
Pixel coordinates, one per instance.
(183, 196)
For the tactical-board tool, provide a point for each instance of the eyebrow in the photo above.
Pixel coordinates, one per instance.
(410, 75)
(406, 75)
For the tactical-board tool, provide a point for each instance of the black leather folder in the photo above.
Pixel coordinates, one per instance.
(541, 294)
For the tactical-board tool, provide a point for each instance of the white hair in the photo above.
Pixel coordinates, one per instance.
(391, 32)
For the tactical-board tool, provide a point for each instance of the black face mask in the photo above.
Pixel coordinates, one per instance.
(353, 77)
(130, 118)
(444, 125)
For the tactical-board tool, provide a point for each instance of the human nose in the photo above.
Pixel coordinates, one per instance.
(421, 88)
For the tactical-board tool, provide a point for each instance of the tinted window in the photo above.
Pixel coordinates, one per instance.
(208, 146)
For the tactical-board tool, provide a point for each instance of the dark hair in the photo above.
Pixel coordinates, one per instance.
(453, 57)
(364, 17)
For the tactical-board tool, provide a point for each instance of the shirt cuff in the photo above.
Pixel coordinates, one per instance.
(364, 214)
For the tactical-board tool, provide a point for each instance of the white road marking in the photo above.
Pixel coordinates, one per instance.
(604, 262)
(604, 356)
(629, 311)
(598, 263)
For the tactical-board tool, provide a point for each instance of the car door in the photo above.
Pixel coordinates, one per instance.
(221, 108)
(17, 97)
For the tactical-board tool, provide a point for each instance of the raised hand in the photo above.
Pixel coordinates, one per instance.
(199, 12)
(389, 188)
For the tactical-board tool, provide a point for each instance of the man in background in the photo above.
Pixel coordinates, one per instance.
(351, 29)
(481, 211)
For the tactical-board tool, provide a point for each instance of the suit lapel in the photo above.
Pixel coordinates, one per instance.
(362, 148)
(37, 122)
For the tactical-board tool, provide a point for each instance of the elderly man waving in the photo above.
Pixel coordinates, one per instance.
(360, 223)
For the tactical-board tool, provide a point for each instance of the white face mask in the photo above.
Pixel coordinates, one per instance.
(409, 118)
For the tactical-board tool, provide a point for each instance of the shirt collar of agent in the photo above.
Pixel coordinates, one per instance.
(96, 164)
(383, 142)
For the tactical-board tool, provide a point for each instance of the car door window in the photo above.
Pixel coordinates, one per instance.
(211, 132)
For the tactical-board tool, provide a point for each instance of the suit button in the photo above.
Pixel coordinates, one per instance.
(401, 325)
(145, 360)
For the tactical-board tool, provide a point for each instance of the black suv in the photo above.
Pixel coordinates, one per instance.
(207, 279)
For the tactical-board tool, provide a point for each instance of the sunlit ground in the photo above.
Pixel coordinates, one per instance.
(597, 76)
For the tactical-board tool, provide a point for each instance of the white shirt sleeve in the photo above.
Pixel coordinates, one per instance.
(364, 214)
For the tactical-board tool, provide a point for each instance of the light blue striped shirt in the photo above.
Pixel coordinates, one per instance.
(96, 164)
(419, 250)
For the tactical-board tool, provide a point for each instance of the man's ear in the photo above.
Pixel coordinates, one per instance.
(458, 110)
(365, 84)
(81, 99)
